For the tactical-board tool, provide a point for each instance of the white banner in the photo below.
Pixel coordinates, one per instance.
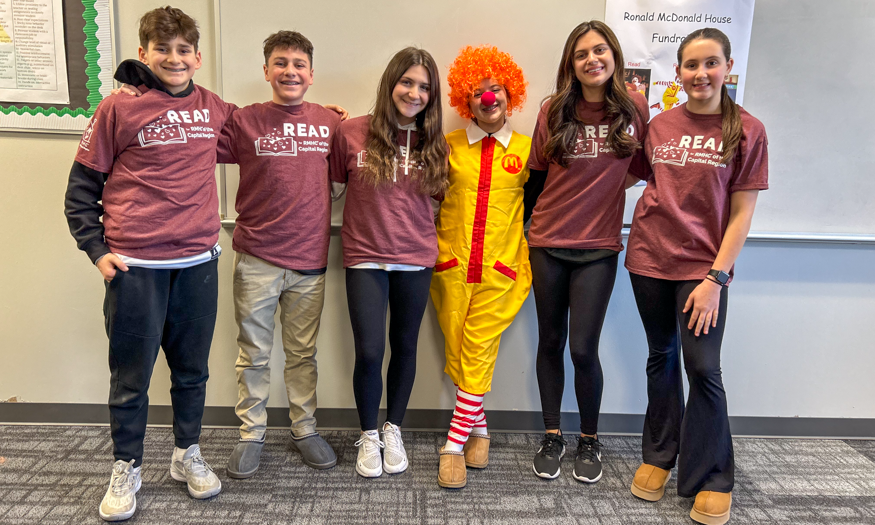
(650, 32)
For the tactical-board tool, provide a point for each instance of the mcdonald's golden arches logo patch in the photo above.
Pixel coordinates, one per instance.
(512, 163)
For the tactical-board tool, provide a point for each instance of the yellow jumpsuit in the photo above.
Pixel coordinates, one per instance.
(482, 275)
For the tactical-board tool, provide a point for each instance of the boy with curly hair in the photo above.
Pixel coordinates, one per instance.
(147, 167)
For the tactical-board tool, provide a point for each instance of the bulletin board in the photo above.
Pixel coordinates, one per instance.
(87, 50)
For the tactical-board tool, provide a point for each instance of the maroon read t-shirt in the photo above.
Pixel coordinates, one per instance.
(392, 223)
(680, 219)
(284, 197)
(160, 200)
(581, 206)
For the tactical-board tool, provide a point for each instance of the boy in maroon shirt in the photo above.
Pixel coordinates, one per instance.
(147, 167)
(281, 244)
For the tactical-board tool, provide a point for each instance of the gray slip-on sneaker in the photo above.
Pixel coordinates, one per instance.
(316, 452)
(244, 459)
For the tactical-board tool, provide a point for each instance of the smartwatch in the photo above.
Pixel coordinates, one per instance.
(721, 277)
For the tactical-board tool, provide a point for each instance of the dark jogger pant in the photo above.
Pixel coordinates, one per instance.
(368, 293)
(146, 309)
(696, 436)
(571, 300)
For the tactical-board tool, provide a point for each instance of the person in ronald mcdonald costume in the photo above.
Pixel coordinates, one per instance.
(669, 97)
(482, 275)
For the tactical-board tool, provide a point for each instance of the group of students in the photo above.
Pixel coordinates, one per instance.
(425, 214)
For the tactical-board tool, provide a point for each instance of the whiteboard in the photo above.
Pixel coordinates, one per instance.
(810, 81)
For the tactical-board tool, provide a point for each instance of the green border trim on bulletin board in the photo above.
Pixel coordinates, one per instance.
(93, 84)
(92, 55)
(92, 71)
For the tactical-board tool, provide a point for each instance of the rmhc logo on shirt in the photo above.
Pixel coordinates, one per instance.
(85, 143)
(679, 154)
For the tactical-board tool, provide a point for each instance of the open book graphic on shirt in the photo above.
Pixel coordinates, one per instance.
(276, 146)
(154, 134)
(669, 154)
(584, 148)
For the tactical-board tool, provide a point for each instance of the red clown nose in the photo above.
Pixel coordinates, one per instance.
(487, 99)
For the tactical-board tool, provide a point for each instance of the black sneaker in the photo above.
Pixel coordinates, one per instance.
(588, 460)
(548, 458)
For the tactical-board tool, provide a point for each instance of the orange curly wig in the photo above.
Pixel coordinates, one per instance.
(476, 63)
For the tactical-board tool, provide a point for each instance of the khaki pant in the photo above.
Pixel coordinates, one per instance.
(258, 288)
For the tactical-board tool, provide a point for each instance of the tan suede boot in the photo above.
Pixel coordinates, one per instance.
(477, 451)
(712, 508)
(452, 473)
(649, 483)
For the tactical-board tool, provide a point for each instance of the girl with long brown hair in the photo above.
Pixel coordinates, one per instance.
(393, 161)
(587, 135)
(708, 162)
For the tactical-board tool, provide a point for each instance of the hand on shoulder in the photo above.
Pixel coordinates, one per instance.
(126, 89)
(344, 114)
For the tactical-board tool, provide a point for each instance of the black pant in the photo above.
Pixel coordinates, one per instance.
(584, 289)
(697, 437)
(144, 310)
(368, 292)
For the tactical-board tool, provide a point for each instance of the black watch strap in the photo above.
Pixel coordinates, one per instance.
(721, 277)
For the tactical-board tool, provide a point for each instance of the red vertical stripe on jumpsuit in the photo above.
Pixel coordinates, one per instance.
(475, 261)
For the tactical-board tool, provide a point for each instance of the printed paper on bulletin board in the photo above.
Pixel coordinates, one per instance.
(55, 63)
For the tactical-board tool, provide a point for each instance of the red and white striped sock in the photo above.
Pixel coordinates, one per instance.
(480, 425)
(468, 412)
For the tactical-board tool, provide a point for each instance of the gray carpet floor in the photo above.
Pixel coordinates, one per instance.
(58, 474)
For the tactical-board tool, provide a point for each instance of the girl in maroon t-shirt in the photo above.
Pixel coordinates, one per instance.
(709, 161)
(585, 141)
(392, 161)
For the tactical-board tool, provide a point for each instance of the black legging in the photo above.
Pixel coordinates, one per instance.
(584, 289)
(698, 438)
(368, 292)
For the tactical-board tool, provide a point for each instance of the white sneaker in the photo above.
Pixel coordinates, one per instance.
(189, 466)
(369, 464)
(394, 457)
(120, 501)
